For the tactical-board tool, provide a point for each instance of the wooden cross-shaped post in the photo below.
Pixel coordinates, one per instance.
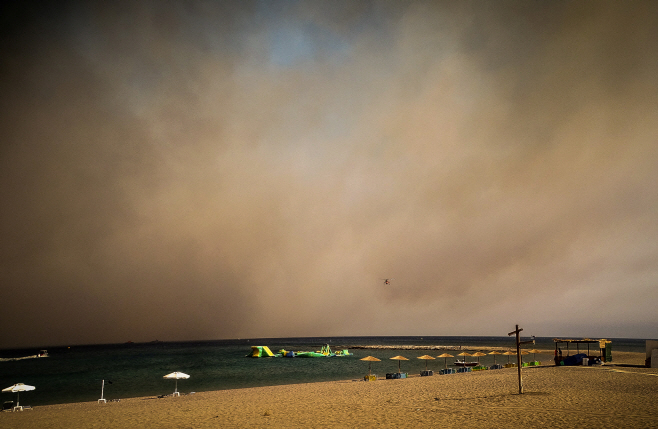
(517, 331)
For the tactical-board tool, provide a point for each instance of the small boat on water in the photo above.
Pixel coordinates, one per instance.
(463, 363)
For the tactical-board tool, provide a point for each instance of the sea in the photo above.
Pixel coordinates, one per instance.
(78, 373)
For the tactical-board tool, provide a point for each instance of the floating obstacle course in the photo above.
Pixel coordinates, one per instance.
(264, 351)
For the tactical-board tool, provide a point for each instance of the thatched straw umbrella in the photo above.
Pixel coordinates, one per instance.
(370, 360)
(425, 358)
(446, 356)
(523, 353)
(464, 354)
(533, 351)
(399, 358)
(477, 355)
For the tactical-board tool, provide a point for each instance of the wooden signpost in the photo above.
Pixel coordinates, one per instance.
(517, 331)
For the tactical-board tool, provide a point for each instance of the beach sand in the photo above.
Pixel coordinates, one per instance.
(622, 395)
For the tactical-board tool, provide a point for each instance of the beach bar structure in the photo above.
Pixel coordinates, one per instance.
(564, 347)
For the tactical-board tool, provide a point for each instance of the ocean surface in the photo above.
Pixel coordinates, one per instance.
(75, 374)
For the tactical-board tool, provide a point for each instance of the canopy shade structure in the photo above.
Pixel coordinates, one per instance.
(605, 347)
(602, 342)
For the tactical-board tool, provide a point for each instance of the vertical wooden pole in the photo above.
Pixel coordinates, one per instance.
(518, 353)
(518, 358)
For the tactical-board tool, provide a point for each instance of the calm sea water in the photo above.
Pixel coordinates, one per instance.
(74, 374)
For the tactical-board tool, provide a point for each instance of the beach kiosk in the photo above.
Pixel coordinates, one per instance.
(564, 349)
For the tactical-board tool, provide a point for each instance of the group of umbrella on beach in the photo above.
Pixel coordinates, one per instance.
(371, 359)
(20, 387)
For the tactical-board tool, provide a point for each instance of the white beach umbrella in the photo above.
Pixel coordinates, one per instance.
(18, 387)
(176, 376)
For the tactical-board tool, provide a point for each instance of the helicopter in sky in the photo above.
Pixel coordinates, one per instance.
(387, 281)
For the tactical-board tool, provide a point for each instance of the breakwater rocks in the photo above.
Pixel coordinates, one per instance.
(407, 347)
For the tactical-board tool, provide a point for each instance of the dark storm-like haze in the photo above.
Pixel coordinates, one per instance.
(207, 169)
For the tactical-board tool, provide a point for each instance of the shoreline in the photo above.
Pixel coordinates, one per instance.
(602, 396)
(621, 359)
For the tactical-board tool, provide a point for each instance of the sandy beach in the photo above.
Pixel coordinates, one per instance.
(618, 395)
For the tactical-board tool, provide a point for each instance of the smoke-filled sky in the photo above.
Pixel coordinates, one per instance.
(206, 169)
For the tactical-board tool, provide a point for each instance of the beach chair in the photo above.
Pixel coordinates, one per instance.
(8, 405)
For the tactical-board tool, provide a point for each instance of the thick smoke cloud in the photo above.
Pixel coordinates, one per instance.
(201, 170)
